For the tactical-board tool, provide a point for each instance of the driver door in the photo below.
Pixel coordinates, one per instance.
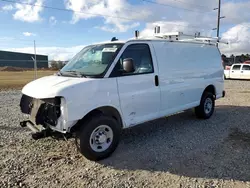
(235, 72)
(138, 91)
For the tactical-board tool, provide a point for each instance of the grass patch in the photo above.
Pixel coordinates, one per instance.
(16, 80)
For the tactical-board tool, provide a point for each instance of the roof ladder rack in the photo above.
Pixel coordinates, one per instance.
(179, 36)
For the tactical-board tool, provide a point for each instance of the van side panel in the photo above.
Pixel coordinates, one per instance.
(185, 70)
(80, 101)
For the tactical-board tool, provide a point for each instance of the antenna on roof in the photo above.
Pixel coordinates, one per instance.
(198, 34)
(157, 29)
(137, 33)
(114, 39)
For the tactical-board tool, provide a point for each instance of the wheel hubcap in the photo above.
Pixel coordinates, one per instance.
(208, 106)
(101, 138)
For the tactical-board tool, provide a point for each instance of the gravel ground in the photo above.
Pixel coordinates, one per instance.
(178, 151)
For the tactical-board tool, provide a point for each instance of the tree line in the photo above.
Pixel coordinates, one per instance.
(57, 65)
(235, 59)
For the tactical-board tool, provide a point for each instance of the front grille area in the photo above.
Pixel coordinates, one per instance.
(41, 111)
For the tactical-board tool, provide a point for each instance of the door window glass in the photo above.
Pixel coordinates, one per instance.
(140, 53)
(246, 67)
(236, 67)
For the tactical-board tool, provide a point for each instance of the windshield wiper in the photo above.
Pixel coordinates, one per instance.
(59, 73)
(76, 73)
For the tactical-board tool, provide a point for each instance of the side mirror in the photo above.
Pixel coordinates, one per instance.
(128, 65)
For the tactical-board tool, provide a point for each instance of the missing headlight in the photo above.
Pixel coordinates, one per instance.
(42, 111)
(49, 111)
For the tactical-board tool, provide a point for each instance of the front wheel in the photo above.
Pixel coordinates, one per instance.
(99, 137)
(206, 108)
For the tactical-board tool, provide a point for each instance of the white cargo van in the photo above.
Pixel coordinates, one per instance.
(111, 86)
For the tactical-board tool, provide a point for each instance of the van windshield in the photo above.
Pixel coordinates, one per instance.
(92, 61)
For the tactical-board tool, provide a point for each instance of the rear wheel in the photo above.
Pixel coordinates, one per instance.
(206, 108)
(99, 137)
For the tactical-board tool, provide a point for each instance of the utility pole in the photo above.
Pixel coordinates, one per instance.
(35, 63)
(218, 21)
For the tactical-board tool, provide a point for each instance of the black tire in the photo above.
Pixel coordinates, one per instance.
(200, 111)
(87, 130)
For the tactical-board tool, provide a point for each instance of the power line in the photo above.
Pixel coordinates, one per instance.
(192, 26)
(244, 25)
(25, 43)
(19, 43)
(68, 10)
(14, 39)
(81, 12)
(118, 17)
(163, 4)
(193, 4)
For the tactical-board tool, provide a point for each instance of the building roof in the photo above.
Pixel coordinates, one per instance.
(247, 62)
(21, 53)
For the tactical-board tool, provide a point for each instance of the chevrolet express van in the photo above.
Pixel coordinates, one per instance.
(115, 85)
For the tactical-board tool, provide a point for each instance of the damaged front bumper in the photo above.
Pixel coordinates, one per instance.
(34, 128)
(38, 132)
(44, 114)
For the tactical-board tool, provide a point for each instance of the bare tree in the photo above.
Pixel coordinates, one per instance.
(60, 65)
(56, 65)
(53, 65)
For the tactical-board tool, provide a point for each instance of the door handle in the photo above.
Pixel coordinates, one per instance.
(232, 71)
(156, 80)
(241, 71)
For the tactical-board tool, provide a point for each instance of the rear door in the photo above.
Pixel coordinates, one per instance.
(139, 93)
(245, 72)
(235, 72)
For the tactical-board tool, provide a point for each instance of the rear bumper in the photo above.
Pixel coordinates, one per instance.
(220, 95)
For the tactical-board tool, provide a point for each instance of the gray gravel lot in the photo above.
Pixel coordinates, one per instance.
(178, 151)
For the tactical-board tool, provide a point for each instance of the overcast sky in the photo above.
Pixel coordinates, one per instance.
(61, 34)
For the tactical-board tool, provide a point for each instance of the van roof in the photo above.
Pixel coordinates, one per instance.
(150, 39)
(176, 41)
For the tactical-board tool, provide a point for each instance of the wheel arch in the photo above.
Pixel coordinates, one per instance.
(211, 89)
(103, 110)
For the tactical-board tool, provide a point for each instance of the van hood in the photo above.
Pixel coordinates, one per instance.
(52, 86)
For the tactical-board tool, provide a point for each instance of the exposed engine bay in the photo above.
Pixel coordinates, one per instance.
(43, 112)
